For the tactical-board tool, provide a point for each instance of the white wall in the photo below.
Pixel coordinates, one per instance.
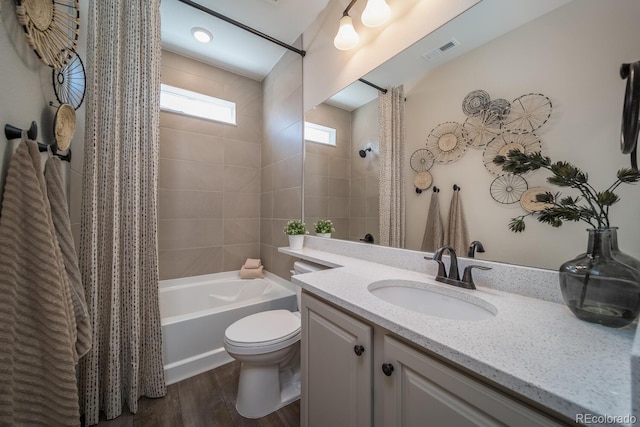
(327, 70)
(572, 56)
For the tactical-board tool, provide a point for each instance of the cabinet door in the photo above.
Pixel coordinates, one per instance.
(336, 376)
(421, 391)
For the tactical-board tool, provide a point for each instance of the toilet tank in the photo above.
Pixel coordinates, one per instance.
(300, 267)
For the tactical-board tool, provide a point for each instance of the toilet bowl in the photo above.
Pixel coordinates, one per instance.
(268, 346)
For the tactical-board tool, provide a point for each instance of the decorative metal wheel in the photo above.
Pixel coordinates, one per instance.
(475, 103)
(505, 142)
(69, 83)
(51, 28)
(482, 129)
(421, 160)
(528, 113)
(447, 142)
(508, 189)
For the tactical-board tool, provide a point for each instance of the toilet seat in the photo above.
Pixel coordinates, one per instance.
(263, 332)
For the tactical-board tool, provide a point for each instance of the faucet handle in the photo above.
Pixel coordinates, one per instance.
(466, 276)
(442, 271)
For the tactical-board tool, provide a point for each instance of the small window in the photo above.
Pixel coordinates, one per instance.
(320, 134)
(195, 104)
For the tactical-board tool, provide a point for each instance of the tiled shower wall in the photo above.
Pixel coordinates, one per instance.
(281, 197)
(327, 172)
(365, 173)
(209, 175)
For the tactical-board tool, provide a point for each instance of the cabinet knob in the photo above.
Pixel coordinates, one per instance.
(387, 369)
(358, 350)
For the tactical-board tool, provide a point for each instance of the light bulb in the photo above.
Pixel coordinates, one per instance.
(376, 13)
(347, 37)
(202, 35)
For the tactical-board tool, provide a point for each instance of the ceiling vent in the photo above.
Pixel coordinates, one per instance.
(430, 56)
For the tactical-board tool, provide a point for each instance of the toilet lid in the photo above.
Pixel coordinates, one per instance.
(264, 327)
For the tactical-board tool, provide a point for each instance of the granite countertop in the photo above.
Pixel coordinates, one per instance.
(535, 348)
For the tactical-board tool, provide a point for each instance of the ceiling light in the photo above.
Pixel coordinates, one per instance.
(376, 13)
(202, 35)
(347, 37)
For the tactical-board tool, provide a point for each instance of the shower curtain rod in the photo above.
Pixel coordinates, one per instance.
(242, 26)
(383, 90)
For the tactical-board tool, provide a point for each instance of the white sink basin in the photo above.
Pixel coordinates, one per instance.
(432, 300)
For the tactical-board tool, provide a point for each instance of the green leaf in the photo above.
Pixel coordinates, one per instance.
(628, 175)
(517, 225)
(607, 198)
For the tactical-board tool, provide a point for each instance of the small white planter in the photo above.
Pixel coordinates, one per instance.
(326, 235)
(296, 241)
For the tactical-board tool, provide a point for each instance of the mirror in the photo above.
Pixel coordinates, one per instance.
(569, 51)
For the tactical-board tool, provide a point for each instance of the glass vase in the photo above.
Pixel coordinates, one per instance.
(600, 286)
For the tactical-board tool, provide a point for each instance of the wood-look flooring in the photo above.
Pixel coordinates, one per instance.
(206, 400)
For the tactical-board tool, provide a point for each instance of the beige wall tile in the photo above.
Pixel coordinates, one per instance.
(342, 228)
(288, 173)
(242, 153)
(317, 186)
(339, 187)
(189, 233)
(184, 175)
(174, 60)
(266, 205)
(197, 147)
(287, 204)
(191, 124)
(241, 205)
(193, 82)
(189, 262)
(317, 207)
(338, 207)
(185, 204)
(239, 179)
(241, 231)
(236, 255)
(265, 232)
(315, 163)
(340, 168)
(266, 178)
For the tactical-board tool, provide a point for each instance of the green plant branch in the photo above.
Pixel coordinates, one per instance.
(594, 211)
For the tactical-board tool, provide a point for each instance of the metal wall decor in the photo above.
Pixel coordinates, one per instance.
(508, 189)
(421, 160)
(69, 82)
(529, 201)
(528, 113)
(526, 143)
(447, 142)
(51, 28)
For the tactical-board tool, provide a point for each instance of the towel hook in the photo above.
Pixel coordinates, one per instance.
(455, 187)
(13, 132)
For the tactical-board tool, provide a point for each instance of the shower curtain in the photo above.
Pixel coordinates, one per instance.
(392, 200)
(118, 249)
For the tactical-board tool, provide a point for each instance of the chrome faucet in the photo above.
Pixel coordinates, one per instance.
(454, 275)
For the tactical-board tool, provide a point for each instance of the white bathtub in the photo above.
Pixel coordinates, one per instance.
(197, 310)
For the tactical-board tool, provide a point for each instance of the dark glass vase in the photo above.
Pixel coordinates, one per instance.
(602, 286)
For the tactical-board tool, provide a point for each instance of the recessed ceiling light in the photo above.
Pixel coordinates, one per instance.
(202, 35)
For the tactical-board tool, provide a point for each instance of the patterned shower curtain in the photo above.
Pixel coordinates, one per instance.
(392, 200)
(118, 249)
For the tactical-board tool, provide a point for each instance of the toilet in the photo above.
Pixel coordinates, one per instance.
(268, 346)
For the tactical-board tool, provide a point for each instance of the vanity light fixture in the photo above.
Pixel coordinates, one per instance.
(201, 34)
(376, 13)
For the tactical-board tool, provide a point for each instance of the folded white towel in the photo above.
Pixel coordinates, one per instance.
(252, 263)
(252, 273)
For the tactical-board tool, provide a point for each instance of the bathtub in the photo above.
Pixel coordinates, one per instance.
(195, 312)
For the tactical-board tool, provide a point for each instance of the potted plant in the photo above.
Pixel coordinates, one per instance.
(296, 230)
(324, 228)
(602, 285)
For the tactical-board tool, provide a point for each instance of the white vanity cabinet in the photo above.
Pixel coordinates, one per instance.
(419, 390)
(336, 367)
(411, 387)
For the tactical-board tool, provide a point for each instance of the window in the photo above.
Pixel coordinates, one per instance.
(195, 104)
(318, 133)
